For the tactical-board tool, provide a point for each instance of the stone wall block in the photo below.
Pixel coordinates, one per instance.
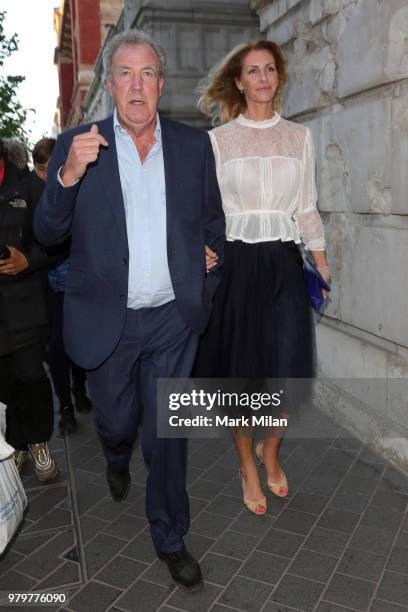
(355, 366)
(399, 151)
(316, 11)
(396, 66)
(373, 283)
(381, 60)
(342, 232)
(321, 9)
(312, 75)
(397, 395)
(270, 12)
(398, 364)
(369, 280)
(397, 401)
(355, 158)
(328, 73)
(332, 172)
(282, 33)
(334, 180)
(333, 28)
(366, 128)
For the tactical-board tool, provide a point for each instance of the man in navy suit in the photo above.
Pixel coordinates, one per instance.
(138, 194)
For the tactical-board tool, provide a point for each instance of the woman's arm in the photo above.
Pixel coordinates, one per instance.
(308, 217)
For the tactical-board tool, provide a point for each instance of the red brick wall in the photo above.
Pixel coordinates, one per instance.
(66, 84)
(88, 22)
(85, 46)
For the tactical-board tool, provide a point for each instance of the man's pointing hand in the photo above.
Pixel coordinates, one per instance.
(83, 151)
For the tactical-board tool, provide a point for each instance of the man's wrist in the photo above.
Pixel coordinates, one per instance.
(66, 179)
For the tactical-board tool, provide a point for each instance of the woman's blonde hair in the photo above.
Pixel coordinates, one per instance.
(220, 98)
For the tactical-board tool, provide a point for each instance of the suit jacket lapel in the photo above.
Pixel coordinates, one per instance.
(110, 178)
(172, 160)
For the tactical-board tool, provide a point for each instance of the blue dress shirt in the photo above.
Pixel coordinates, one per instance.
(144, 197)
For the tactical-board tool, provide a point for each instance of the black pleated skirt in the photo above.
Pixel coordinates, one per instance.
(261, 325)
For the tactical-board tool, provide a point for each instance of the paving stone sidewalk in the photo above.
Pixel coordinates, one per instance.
(339, 542)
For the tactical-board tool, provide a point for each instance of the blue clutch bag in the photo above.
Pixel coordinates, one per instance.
(314, 284)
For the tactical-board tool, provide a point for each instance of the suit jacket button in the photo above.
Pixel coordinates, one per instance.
(124, 261)
(122, 296)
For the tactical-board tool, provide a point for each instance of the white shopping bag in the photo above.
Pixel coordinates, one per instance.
(13, 499)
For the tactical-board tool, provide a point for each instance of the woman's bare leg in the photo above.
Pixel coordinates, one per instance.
(253, 489)
(270, 457)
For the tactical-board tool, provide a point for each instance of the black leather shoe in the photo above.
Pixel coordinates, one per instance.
(67, 423)
(184, 569)
(118, 480)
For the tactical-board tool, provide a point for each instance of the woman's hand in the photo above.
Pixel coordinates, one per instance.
(211, 258)
(16, 263)
(325, 273)
(320, 259)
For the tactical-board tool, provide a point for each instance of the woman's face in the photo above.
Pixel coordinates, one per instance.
(259, 77)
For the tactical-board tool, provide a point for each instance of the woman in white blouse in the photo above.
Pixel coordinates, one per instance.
(261, 325)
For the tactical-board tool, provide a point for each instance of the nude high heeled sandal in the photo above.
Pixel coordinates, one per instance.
(279, 488)
(257, 507)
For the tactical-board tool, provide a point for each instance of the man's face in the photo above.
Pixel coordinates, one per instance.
(41, 170)
(136, 85)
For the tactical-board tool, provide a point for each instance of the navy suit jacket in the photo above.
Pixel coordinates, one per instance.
(92, 213)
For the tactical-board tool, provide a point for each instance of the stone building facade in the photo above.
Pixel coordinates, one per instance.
(80, 28)
(194, 33)
(348, 65)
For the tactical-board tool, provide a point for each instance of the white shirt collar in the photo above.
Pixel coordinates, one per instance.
(258, 124)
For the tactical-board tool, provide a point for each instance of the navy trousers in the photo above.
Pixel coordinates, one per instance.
(155, 344)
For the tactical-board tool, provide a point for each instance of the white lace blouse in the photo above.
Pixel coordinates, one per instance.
(266, 174)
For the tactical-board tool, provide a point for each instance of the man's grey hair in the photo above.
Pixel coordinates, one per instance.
(131, 38)
(16, 152)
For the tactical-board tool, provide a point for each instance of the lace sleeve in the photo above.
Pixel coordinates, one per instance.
(216, 151)
(307, 216)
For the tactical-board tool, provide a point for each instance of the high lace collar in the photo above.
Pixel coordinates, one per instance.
(258, 124)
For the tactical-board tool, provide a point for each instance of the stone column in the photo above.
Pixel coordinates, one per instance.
(348, 65)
